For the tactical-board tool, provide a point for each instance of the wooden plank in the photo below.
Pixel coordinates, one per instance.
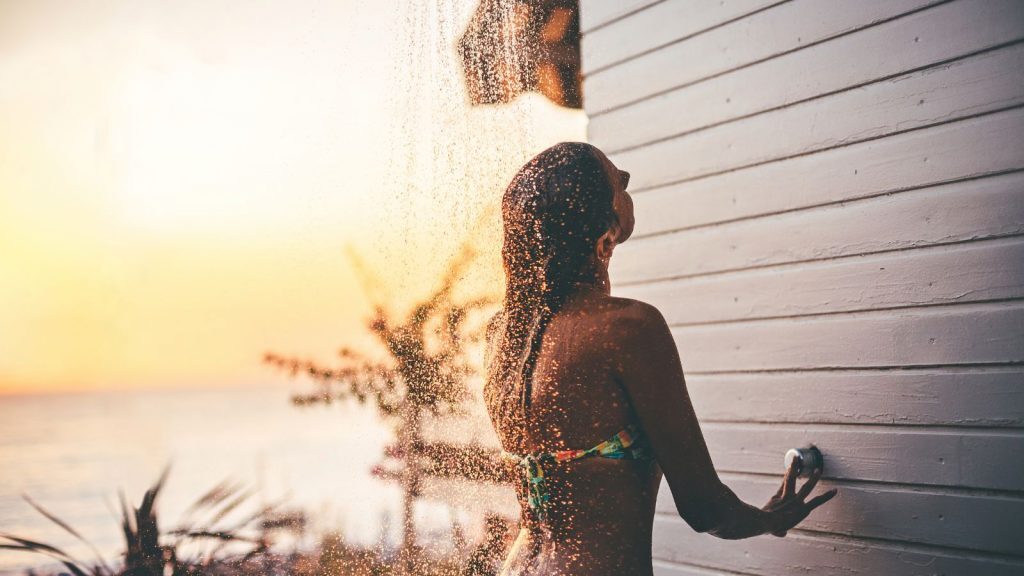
(910, 160)
(974, 272)
(662, 568)
(944, 32)
(595, 13)
(674, 541)
(970, 210)
(976, 397)
(992, 460)
(647, 29)
(920, 515)
(984, 83)
(790, 26)
(937, 336)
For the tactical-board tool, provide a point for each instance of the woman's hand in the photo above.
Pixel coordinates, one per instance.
(787, 508)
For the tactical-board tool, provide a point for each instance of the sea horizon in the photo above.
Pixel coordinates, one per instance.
(72, 453)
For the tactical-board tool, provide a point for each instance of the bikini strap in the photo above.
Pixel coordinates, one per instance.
(627, 444)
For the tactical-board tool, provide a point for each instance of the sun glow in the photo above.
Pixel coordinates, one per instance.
(180, 182)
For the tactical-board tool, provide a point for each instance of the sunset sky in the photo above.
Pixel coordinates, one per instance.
(180, 182)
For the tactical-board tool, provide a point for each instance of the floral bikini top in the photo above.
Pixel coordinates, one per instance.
(628, 444)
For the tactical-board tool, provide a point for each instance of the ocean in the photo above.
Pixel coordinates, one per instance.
(72, 453)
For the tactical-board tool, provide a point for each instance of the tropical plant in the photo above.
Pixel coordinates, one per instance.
(426, 370)
(238, 544)
(426, 365)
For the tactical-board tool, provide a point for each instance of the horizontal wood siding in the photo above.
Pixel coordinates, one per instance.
(982, 459)
(916, 42)
(932, 276)
(967, 87)
(602, 12)
(792, 26)
(974, 396)
(803, 552)
(830, 216)
(900, 162)
(957, 212)
(924, 515)
(613, 44)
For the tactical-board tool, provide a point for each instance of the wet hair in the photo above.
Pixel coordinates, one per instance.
(554, 210)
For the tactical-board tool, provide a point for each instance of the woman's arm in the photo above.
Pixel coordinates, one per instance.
(649, 368)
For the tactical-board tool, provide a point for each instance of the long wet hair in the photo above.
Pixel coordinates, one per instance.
(554, 211)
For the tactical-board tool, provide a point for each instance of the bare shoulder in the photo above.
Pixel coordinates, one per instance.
(629, 327)
(627, 316)
(642, 350)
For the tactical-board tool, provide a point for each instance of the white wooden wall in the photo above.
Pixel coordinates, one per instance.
(830, 213)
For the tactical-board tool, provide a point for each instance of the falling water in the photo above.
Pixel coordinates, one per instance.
(451, 162)
(439, 182)
(450, 159)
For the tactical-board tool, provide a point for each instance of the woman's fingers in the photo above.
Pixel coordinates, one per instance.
(821, 499)
(788, 479)
(795, 510)
(789, 482)
(805, 490)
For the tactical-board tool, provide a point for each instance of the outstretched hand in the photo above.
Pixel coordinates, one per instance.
(788, 507)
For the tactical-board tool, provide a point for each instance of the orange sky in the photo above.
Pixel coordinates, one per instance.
(180, 181)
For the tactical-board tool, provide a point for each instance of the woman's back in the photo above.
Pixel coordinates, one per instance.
(569, 367)
(598, 519)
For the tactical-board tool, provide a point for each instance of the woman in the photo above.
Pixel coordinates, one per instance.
(586, 390)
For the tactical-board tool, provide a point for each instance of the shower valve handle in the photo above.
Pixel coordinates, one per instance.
(808, 459)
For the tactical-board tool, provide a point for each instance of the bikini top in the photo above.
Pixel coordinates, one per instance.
(628, 444)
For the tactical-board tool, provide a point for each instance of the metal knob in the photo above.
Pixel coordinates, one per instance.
(807, 459)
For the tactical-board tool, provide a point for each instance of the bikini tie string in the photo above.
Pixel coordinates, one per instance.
(534, 484)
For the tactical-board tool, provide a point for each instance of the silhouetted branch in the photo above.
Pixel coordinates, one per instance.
(427, 362)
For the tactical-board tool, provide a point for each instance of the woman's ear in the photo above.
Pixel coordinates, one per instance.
(606, 244)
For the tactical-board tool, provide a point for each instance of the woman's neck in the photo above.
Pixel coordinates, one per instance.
(595, 281)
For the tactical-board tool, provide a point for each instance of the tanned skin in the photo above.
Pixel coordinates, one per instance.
(604, 363)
